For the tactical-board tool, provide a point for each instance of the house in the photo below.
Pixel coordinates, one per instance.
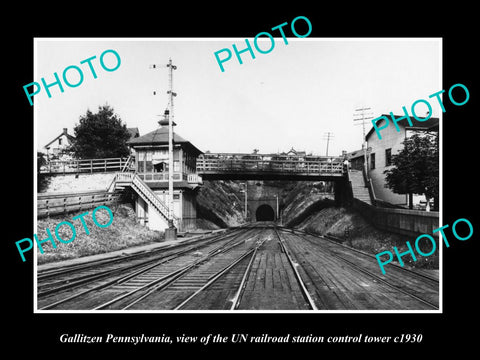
(58, 147)
(294, 153)
(356, 159)
(381, 151)
(151, 161)
(291, 154)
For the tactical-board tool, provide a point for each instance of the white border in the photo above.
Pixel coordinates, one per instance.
(241, 312)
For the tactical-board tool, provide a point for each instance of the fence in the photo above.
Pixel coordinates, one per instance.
(86, 166)
(54, 204)
(209, 165)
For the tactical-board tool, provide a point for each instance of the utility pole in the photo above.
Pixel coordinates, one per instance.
(362, 116)
(327, 136)
(171, 227)
(171, 231)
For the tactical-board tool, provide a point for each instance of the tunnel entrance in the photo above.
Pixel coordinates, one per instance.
(265, 213)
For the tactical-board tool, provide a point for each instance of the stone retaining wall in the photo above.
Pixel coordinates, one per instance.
(401, 221)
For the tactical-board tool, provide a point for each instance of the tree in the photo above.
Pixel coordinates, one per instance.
(416, 168)
(100, 135)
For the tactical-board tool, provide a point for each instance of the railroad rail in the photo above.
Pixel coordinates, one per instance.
(233, 268)
(421, 289)
(251, 252)
(98, 276)
(337, 241)
(252, 267)
(246, 271)
(303, 287)
(187, 273)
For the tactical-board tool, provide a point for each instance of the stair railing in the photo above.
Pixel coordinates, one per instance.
(368, 183)
(152, 197)
(144, 190)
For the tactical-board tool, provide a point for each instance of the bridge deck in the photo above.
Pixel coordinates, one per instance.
(222, 166)
(218, 167)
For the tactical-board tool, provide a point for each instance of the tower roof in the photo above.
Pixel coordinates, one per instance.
(160, 137)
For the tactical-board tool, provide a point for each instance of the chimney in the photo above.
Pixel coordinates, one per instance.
(65, 131)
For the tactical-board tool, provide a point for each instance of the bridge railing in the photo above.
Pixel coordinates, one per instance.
(209, 165)
(87, 166)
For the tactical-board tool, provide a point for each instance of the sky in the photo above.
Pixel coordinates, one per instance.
(289, 97)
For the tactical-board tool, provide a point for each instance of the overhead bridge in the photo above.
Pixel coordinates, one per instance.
(267, 167)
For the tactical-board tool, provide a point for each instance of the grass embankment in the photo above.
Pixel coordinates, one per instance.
(124, 232)
(357, 232)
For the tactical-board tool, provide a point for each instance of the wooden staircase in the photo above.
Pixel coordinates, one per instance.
(359, 188)
(132, 180)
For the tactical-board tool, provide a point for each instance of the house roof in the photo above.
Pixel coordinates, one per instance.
(355, 154)
(294, 152)
(134, 133)
(430, 124)
(160, 137)
(64, 132)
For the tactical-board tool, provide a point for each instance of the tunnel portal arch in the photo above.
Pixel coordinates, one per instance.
(265, 213)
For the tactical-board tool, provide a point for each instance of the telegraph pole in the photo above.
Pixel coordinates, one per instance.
(327, 137)
(362, 116)
(171, 231)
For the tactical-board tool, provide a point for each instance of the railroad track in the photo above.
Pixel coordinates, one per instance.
(259, 267)
(179, 286)
(214, 279)
(308, 236)
(233, 279)
(61, 287)
(401, 286)
(58, 273)
(303, 287)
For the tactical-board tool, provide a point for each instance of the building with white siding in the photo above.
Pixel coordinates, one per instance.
(380, 153)
(58, 147)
